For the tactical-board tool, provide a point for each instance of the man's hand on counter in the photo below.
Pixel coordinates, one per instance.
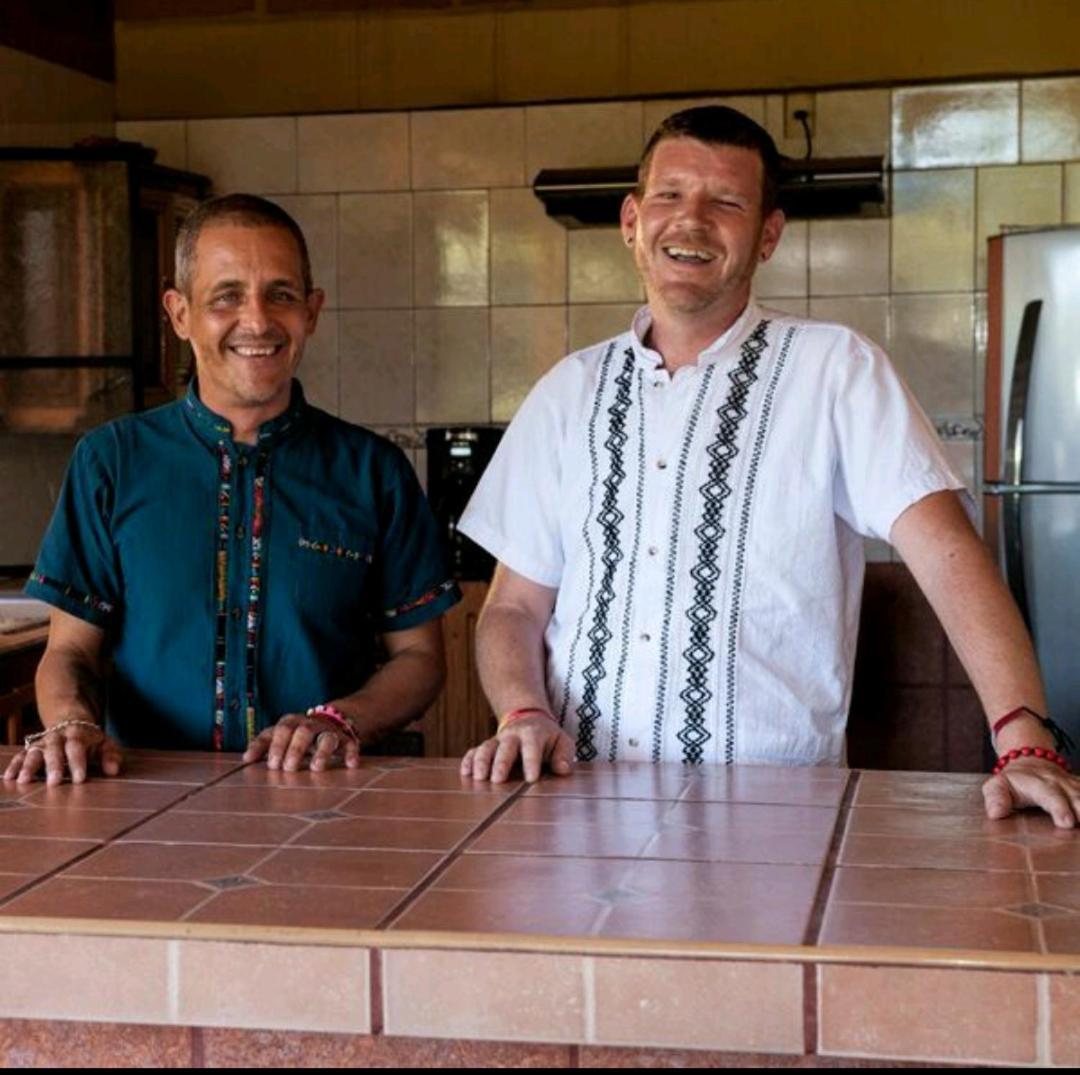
(1034, 782)
(71, 749)
(536, 741)
(287, 743)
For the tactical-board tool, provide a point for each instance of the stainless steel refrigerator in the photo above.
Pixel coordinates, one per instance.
(1031, 486)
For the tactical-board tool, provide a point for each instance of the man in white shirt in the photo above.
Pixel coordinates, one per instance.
(678, 514)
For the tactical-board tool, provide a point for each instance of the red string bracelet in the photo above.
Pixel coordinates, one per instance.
(1030, 752)
(1061, 737)
(521, 714)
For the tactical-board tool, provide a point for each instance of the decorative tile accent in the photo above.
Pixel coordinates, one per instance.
(223, 883)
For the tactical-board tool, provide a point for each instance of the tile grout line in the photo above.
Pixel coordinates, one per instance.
(101, 845)
(450, 856)
(811, 1029)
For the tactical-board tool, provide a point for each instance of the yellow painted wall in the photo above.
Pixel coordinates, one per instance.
(263, 64)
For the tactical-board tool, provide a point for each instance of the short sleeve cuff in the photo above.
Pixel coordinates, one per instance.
(504, 550)
(427, 606)
(913, 493)
(89, 607)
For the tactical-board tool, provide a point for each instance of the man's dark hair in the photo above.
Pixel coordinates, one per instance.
(248, 211)
(718, 125)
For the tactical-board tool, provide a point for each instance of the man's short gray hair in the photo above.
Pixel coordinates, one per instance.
(246, 210)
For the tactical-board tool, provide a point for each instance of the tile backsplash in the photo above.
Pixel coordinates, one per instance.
(449, 291)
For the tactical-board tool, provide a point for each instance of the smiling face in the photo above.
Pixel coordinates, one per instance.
(698, 229)
(247, 317)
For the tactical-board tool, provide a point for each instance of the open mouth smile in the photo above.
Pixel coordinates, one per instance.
(688, 255)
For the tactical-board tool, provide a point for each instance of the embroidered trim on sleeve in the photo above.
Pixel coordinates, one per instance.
(91, 601)
(338, 551)
(424, 599)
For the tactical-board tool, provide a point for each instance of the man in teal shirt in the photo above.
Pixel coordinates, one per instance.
(222, 566)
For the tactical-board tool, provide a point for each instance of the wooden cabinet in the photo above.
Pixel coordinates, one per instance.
(461, 717)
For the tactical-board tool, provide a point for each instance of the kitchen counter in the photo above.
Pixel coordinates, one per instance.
(200, 912)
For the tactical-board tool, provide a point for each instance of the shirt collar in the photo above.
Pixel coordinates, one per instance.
(716, 350)
(213, 428)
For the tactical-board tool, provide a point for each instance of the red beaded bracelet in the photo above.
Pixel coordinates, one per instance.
(521, 714)
(335, 717)
(1030, 752)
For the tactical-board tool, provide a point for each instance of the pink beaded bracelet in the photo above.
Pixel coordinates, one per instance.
(336, 717)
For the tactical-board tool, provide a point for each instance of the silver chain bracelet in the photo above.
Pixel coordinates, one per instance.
(32, 740)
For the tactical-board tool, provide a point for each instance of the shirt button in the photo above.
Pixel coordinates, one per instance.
(234, 705)
(661, 464)
(240, 532)
(632, 742)
(236, 613)
(652, 550)
(645, 636)
(242, 460)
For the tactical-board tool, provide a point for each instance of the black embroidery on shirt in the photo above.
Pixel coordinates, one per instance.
(639, 514)
(609, 519)
(595, 468)
(672, 560)
(740, 549)
(715, 492)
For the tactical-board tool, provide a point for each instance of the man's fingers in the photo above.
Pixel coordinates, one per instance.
(481, 764)
(280, 739)
(111, 757)
(466, 763)
(562, 756)
(998, 798)
(1051, 797)
(75, 755)
(533, 749)
(54, 759)
(352, 754)
(258, 746)
(505, 756)
(32, 761)
(14, 766)
(300, 744)
(325, 745)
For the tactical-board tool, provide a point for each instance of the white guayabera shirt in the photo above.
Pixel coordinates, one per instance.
(704, 532)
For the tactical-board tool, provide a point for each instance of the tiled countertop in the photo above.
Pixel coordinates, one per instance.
(616, 912)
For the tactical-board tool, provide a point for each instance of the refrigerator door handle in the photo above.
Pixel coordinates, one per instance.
(1018, 392)
(1011, 504)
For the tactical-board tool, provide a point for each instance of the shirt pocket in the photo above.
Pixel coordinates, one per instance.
(333, 584)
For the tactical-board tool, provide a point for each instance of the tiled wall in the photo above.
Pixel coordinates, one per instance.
(450, 291)
(41, 104)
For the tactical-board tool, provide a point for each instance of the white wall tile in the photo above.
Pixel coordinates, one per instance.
(254, 156)
(167, 136)
(317, 215)
(375, 250)
(477, 147)
(361, 152)
(451, 248)
(582, 136)
(375, 359)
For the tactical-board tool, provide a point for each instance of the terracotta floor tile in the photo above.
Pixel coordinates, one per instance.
(505, 837)
(501, 912)
(167, 862)
(300, 905)
(23, 855)
(54, 1043)
(183, 828)
(1065, 1020)
(444, 805)
(961, 1015)
(535, 873)
(1060, 853)
(683, 918)
(951, 792)
(742, 883)
(927, 927)
(109, 794)
(745, 832)
(404, 835)
(1062, 935)
(769, 784)
(177, 768)
(615, 813)
(11, 792)
(12, 882)
(72, 897)
(709, 1004)
(938, 854)
(517, 996)
(72, 823)
(629, 780)
(418, 779)
(931, 888)
(351, 867)
(265, 800)
(900, 822)
(258, 776)
(1061, 889)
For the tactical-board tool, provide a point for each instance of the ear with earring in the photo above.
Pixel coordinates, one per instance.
(629, 240)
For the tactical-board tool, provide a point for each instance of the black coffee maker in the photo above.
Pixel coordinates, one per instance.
(456, 457)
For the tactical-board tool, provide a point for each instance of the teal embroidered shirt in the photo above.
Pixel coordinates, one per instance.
(237, 583)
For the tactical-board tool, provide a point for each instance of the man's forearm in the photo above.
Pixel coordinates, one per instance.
(399, 692)
(67, 687)
(510, 657)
